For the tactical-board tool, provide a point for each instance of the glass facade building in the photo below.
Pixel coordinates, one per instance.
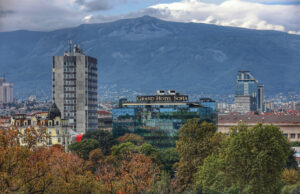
(248, 93)
(159, 121)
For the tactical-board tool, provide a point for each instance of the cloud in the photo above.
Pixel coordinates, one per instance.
(87, 18)
(5, 12)
(39, 15)
(284, 2)
(294, 32)
(234, 13)
(95, 5)
(48, 15)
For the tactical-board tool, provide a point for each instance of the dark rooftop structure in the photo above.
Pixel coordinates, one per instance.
(54, 112)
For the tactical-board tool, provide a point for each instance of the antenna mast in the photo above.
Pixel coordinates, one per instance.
(70, 45)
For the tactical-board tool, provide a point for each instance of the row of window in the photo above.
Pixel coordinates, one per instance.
(91, 85)
(50, 131)
(72, 89)
(292, 135)
(69, 70)
(69, 108)
(69, 82)
(58, 140)
(69, 63)
(70, 76)
(70, 101)
(70, 114)
(69, 95)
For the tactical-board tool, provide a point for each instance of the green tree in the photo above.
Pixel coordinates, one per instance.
(291, 189)
(162, 185)
(196, 141)
(292, 162)
(295, 144)
(168, 159)
(84, 147)
(123, 148)
(104, 138)
(251, 159)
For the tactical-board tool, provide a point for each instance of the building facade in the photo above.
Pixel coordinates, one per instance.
(75, 78)
(158, 118)
(288, 124)
(104, 120)
(249, 94)
(6, 92)
(58, 129)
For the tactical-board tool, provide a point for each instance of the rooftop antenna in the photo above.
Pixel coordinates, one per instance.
(70, 45)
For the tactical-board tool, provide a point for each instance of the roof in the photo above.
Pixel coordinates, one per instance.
(37, 113)
(103, 112)
(54, 112)
(259, 118)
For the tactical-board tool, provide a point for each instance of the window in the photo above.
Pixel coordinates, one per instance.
(57, 123)
(59, 140)
(49, 131)
(293, 135)
(57, 132)
(285, 135)
(50, 141)
(298, 135)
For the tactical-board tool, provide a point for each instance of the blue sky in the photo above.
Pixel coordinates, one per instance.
(46, 15)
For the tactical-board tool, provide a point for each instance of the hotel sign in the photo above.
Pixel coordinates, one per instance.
(163, 98)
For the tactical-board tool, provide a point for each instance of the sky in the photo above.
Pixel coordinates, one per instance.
(47, 15)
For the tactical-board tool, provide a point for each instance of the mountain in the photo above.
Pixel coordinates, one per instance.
(145, 54)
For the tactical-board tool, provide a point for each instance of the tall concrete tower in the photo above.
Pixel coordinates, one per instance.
(75, 79)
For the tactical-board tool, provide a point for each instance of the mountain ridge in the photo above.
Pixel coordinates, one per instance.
(145, 54)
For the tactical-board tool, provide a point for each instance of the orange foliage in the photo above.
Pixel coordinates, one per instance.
(35, 168)
(131, 137)
(38, 169)
(136, 173)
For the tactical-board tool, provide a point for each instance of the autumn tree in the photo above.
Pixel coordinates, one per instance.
(290, 176)
(34, 136)
(196, 141)
(22, 168)
(131, 137)
(130, 173)
(70, 174)
(138, 174)
(37, 169)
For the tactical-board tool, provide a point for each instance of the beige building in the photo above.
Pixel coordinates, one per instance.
(58, 129)
(289, 124)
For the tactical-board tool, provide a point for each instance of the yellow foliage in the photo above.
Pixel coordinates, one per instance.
(290, 176)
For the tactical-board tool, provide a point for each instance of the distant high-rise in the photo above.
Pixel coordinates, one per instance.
(260, 98)
(249, 95)
(6, 91)
(75, 80)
